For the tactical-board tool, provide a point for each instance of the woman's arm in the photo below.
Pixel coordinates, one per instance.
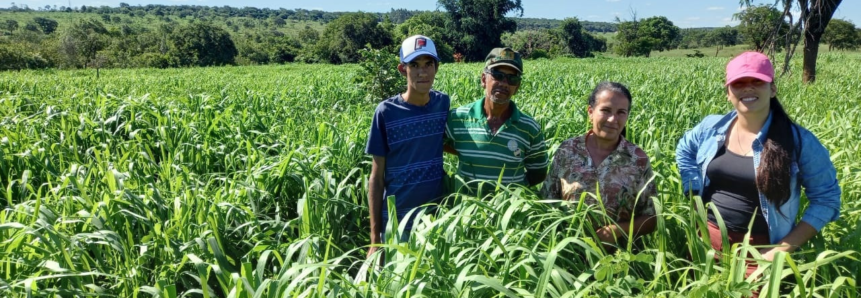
(686, 160)
(798, 236)
(819, 179)
(643, 224)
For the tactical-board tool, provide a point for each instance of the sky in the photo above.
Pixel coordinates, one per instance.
(683, 13)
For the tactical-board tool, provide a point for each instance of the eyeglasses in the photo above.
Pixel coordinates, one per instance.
(512, 79)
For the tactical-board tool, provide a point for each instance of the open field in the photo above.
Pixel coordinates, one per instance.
(732, 51)
(252, 182)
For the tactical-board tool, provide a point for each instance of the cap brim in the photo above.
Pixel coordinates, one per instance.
(409, 58)
(506, 64)
(756, 75)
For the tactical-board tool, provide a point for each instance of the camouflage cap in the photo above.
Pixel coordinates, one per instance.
(504, 56)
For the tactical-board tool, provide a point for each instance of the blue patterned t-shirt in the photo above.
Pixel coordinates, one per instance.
(410, 138)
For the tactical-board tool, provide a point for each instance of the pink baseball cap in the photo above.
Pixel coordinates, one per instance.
(749, 64)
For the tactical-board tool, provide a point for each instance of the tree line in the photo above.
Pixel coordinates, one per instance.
(178, 36)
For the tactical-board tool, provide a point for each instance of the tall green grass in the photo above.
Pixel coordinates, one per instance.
(252, 182)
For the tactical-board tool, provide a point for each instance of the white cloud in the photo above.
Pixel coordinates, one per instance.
(728, 21)
(715, 8)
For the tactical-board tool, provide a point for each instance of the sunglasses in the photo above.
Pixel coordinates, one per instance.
(512, 79)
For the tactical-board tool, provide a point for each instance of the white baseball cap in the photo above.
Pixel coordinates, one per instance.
(415, 46)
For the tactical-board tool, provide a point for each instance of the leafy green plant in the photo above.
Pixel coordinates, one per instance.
(379, 74)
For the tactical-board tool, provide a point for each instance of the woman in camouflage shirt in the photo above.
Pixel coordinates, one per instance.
(603, 161)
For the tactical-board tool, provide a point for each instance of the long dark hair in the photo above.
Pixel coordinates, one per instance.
(774, 170)
(614, 87)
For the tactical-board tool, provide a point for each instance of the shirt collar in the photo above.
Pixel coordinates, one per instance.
(763, 132)
(477, 111)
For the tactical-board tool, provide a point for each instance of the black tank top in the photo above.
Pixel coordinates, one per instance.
(732, 189)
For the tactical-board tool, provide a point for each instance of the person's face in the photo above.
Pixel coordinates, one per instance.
(751, 95)
(609, 115)
(497, 84)
(420, 73)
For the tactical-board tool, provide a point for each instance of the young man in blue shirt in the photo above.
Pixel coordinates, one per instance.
(406, 140)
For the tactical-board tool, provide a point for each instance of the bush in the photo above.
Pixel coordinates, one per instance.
(696, 54)
(379, 75)
(538, 54)
(16, 57)
(155, 60)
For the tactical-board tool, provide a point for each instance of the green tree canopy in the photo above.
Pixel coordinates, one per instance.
(572, 33)
(10, 25)
(722, 37)
(83, 40)
(345, 36)
(662, 30)
(47, 25)
(841, 35)
(641, 37)
(758, 23)
(476, 26)
(202, 44)
(535, 43)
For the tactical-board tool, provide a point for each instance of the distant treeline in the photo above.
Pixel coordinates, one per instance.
(186, 35)
(536, 24)
(396, 16)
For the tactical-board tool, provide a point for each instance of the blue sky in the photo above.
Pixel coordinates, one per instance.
(685, 14)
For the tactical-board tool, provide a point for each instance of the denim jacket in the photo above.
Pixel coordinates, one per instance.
(812, 169)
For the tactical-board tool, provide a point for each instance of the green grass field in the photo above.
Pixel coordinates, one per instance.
(252, 182)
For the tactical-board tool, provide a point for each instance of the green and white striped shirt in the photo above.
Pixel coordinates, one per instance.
(517, 147)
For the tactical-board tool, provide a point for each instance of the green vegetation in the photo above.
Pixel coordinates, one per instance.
(641, 37)
(251, 182)
(757, 24)
(153, 35)
(842, 35)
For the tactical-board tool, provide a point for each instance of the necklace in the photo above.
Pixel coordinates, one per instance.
(738, 143)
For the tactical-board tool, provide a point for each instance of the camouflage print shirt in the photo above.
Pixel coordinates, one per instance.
(620, 178)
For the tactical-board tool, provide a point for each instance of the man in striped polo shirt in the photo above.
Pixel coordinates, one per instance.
(406, 141)
(492, 137)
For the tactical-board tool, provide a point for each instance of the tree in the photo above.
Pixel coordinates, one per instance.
(532, 43)
(10, 25)
(641, 37)
(85, 38)
(475, 26)
(761, 26)
(309, 35)
(812, 21)
(345, 36)
(572, 34)
(841, 35)
(630, 43)
(662, 30)
(721, 37)
(16, 56)
(202, 44)
(48, 26)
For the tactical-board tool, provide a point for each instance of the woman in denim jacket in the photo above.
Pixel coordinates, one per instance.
(761, 161)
